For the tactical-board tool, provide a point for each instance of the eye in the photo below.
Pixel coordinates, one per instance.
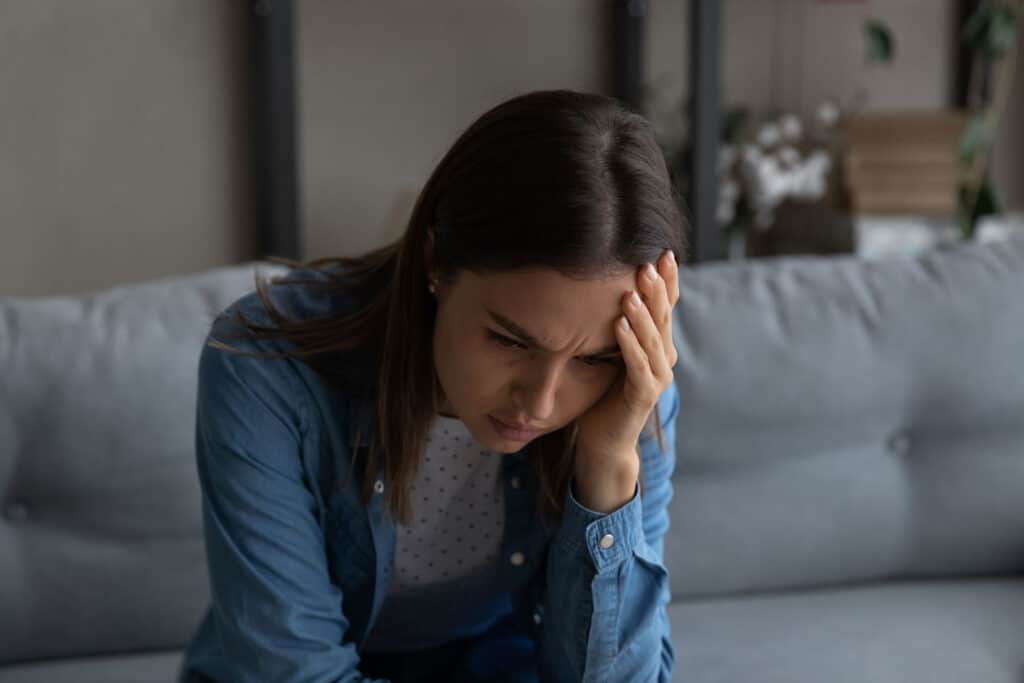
(597, 362)
(507, 342)
(510, 343)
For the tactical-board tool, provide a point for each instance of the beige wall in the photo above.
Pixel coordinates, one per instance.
(790, 55)
(121, 150)
(385, 88)
(1008, 156)
(827, 50)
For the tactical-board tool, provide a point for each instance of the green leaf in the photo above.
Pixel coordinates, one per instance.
(992, 29)
(990, 200)
(972, 205)
(878, 42)
(976, 136)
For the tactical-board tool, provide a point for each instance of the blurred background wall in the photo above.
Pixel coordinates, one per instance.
(384, 89)
(792, 54)
(123, 140)
(1008, 157)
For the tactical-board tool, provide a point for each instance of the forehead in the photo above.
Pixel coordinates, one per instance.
(548, 300)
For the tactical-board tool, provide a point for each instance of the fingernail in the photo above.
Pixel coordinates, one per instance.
(650, 272)
(634, 299)
(667, 256)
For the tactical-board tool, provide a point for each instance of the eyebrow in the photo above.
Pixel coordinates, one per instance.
(518, 331)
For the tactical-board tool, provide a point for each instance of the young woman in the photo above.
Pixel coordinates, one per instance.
(450, 459)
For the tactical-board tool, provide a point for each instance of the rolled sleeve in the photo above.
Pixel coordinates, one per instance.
(582, 530)
(605, 607)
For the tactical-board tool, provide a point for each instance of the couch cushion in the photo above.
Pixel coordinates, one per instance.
(143, 668)
(101, 546)
(935, 631)
(845, 420)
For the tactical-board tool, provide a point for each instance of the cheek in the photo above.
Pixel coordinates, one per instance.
(479, 369)
(597, 386)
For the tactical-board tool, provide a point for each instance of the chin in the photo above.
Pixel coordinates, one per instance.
(491, 441)
(485, 435)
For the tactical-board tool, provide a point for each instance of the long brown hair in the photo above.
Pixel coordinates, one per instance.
(558, 179)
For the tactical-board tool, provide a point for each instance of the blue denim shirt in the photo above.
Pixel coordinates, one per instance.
(299, 567)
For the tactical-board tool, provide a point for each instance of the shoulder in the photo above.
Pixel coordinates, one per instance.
(236, 366)
(297, 294)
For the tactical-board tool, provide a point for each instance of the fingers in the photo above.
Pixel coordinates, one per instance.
(645, 331)
(649, 339)
(639, 379)
(654, 294)
(660, 295)
(669, 271)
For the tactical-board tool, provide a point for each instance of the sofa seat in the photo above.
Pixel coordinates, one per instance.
(156, 667)
(949, 631)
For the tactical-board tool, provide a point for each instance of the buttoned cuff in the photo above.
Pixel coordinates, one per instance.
(584, 531)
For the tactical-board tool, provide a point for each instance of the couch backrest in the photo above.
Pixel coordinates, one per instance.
(846, 420)
(841, 420)
(101, 545)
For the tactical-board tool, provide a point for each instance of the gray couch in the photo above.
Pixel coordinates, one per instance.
(849, 500)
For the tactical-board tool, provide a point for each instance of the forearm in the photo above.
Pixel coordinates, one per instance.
(605, 483)
(604, 599)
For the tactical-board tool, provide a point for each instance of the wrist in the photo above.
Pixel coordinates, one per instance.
(606, 484)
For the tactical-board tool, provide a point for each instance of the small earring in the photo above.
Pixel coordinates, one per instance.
(432, 288)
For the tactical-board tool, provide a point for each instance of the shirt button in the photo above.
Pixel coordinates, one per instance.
(515, 482)
(517, 558)
(607, 540)
(379, 486)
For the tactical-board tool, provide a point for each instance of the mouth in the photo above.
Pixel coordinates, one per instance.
(513, 432)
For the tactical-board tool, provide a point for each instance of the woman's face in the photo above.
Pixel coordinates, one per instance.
(528, 348)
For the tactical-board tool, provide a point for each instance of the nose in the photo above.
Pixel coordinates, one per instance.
(535, 395)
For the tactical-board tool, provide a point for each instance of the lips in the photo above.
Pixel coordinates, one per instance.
(519, 426)
(512, 433)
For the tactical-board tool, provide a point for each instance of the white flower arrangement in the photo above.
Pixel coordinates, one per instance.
(776, 162)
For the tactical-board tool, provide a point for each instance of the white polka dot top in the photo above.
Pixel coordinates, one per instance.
(450, 550)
